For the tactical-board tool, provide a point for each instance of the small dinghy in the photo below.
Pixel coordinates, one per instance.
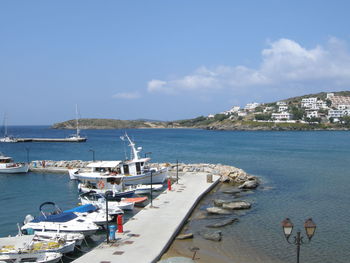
(142, 189)
(136, 200)
(59, 221)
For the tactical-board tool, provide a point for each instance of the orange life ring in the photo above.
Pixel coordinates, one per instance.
(101, 184)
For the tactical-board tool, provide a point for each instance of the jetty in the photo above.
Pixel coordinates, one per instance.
(150, 232)
(50, 139)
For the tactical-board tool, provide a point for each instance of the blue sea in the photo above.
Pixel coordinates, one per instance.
(304, 174)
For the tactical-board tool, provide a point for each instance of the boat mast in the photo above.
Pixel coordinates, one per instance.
(134, 151)
(5, 125)
(77, 120)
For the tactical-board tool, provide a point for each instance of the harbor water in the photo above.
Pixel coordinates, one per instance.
(304, 174)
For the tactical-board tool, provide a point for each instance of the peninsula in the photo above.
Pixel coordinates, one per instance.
(321, 111)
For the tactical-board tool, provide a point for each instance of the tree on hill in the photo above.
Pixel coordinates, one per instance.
(298, 113)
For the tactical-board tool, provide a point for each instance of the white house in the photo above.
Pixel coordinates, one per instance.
(337, 113)
(308, 102)
(251, 106)
(242, 114)
(321, 104)
(282, 116)
(312, 113)
(343, 107)
(282, 108)
(281, 103)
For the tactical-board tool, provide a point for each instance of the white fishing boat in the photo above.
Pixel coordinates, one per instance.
(59, 221)
(47, 235)
(76, 137)
(25, 249)
(8, 166)
(38, 257)
(104, 174)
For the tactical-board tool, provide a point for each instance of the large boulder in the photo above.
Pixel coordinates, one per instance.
(217, 211)
(237, 205)
(249, 184)
(185, 236)
(220, 202)
(222, 223)
(213, 236)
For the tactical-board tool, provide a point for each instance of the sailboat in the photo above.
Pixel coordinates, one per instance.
(76, 137)
(7, 138)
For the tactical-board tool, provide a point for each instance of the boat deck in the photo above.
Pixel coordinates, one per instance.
(150, 232)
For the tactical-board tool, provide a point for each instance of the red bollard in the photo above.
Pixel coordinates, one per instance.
(169, 185)
(120, 223)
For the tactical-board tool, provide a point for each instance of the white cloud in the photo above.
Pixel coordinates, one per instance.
(284, 64)
(127, 95)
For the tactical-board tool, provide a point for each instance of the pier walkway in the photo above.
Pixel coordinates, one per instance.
(149, 233)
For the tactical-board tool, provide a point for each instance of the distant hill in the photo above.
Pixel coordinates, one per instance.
(109, 124)
(219, 121)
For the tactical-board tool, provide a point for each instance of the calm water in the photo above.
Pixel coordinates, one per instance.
(307, 174)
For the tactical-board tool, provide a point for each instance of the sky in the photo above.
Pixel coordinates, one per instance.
(165, 60)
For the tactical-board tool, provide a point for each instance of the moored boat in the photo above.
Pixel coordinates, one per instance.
(8, 166)
(59, 221)
(103, 174)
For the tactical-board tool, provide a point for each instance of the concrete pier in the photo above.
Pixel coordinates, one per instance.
(150, 232)
(50, 140)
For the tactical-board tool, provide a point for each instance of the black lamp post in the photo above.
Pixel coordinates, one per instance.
(310, 228)
(93, 154)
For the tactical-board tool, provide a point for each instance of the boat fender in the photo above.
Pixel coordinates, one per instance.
(101, 184)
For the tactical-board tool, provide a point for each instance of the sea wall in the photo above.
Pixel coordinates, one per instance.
(226, 172)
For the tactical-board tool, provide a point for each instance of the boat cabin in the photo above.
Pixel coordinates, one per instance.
(5, 159)
(134, 167)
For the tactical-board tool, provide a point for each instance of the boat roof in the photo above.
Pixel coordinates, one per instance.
(4, 157)
(138, 160)
(103, 164)
(82, 209)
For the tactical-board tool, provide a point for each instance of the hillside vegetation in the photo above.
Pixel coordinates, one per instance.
(260, 118)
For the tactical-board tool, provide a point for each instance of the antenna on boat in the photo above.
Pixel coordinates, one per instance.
(134, 152)
(122, 138)
(77, 120)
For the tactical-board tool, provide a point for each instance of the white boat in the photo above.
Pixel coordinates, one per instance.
(76, 137)
(7, 138)
(59, 221)
(105, 175)
(146, 188)
(38, 257)
(100, 201)
(91, 212)
(47, 235)
(9, 167)
(25, 249)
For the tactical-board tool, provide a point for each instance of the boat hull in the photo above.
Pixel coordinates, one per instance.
(21, 168)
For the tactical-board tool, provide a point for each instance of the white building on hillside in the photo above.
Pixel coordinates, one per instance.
(251, 106)
(282, 116)
(312, 114)
(281, 103)
(338, 113)
(308, 102)
(282, 108)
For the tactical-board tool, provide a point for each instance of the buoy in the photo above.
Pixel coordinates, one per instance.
(169, 184)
